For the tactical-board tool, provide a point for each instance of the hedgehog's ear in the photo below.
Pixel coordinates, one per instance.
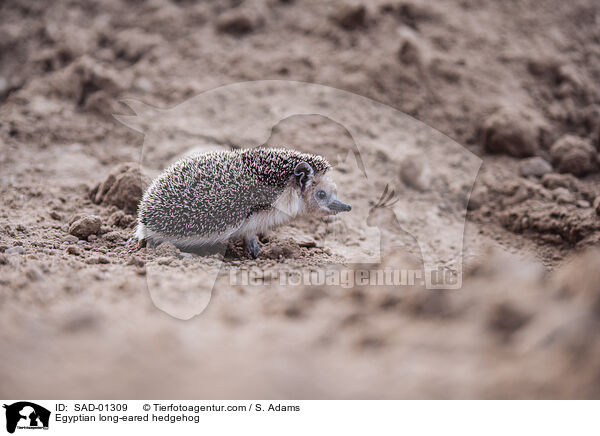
(304, 174)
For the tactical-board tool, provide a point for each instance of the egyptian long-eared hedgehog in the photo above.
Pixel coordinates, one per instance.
(209, 198)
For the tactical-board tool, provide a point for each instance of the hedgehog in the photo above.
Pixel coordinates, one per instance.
(210, 198)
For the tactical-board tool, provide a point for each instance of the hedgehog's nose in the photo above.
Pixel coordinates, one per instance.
(338, 206)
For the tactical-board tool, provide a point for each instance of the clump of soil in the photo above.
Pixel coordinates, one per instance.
(571, 154)
(84, 226)
(514, 132)
(122, 188)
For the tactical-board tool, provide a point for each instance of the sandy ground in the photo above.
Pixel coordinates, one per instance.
(514, 83)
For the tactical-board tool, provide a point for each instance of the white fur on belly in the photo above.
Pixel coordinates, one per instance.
(286, 207)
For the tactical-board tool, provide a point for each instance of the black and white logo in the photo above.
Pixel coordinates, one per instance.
(26, 415)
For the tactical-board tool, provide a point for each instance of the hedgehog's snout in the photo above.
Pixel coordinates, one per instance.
(337, 206)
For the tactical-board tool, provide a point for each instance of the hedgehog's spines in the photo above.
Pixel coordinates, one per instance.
(210, 194)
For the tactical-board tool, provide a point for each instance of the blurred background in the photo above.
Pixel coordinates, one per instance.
(516, 82)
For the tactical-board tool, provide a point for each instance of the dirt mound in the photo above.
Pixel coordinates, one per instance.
(122, 188)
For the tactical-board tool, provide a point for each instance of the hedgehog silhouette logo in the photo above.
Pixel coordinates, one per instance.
(427, 214)
(26, 415)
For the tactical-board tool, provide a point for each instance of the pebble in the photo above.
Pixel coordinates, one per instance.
(583, 204)
(3, 259)
(164, 260)
(235, 23)
(310, 243)
(411, 50)
(135, 261)
(555, 180)
(85, 226)
(70, 239)
(113, 236)
(15, 250)
(72, 249)
(563, 195)
(575, 155)
(167, 249)
(534, 166)
(98, 259)
(512, 132)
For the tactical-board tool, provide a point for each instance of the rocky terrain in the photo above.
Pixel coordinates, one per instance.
(512, 84)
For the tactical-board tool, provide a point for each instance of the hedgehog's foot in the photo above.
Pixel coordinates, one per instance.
(252, 247)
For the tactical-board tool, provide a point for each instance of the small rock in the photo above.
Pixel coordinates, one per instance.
(167, 249)
(164, 260)
(135, 261)
(120, 219)
(308, 244)
(72, 249)
(56, 216)
(513, 132)
(410, 51)
(534, 166)
(92, 238)
(3, 259)
(85, 226)
(575, 155)
(235, 22)
(98, 260)
(280, 251)
(583, 204)
(554, 180)
(520, 195)
(76, 217)
(15, 250)
(563, 195)
(70, 239)
(113, 237)
(351, 16)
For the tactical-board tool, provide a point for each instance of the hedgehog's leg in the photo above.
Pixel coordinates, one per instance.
(252, 246)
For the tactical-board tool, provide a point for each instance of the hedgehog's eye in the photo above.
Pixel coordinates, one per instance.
(321, 195)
